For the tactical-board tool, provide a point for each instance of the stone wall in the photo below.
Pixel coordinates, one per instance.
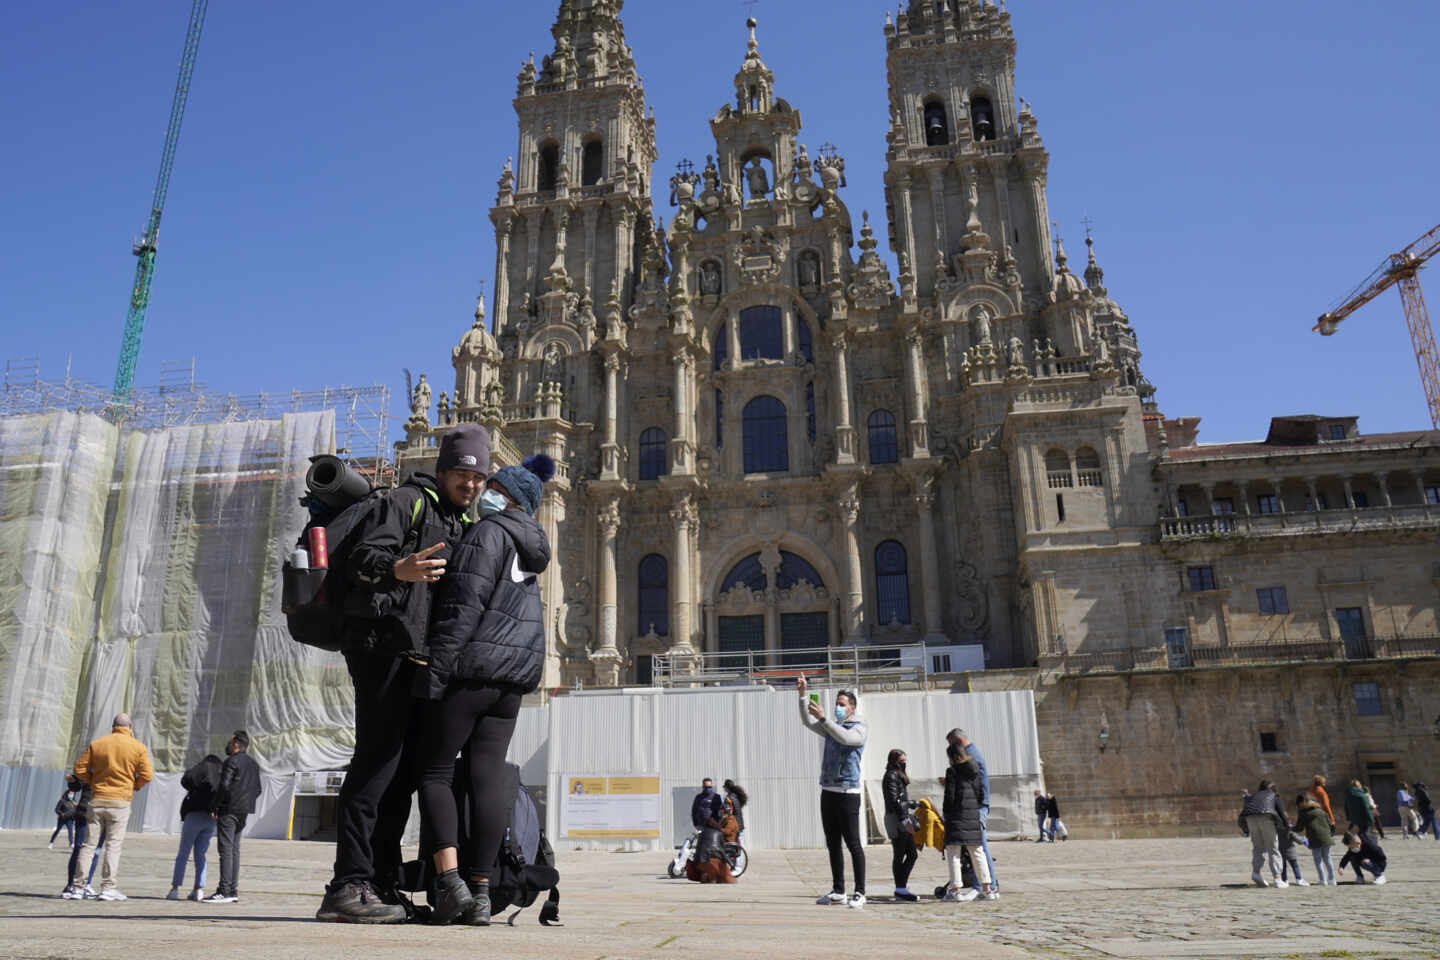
(1183, 744)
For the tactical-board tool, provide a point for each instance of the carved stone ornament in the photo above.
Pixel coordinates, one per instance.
(974, 610)
(759, 256)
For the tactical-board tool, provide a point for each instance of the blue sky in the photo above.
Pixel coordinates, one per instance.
(1244, 165)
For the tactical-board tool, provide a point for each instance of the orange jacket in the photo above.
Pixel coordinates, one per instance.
(1323, 798)
(116, 766)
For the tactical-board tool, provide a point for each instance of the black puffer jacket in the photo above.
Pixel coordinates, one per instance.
(200, 783)
(964, 796)
(489, 626)
(384, 614)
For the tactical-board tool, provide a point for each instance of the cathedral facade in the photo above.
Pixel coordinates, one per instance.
(767, 442)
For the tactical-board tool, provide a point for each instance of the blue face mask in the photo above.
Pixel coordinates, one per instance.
(840, 713)
(492, 501)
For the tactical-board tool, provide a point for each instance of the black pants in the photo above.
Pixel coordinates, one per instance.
(903, 858)
(481, 719)
(227, 838)
(374, 802)
(840, 818)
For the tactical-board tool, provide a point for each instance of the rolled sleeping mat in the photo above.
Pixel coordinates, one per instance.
(334, 482)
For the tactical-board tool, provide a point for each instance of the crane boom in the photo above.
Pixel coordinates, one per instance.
(144, 248)
(1402, 269)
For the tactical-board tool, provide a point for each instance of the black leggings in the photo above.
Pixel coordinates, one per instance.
(480, 718)
(840, 818)
(903, 859)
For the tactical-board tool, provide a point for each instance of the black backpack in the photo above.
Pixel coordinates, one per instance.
(525, 867)
(317, 601)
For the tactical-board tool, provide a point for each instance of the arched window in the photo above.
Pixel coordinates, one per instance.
(719, 419)
(654, 596)
(892, 583)
(805, 342)
(652, 454)
(982, 118)
(592, 163)
(810, 411)
(761, 334)
(884, 447)
(1057, 470)
(1087, 468)
(748, 572)
(766, 436)
(937, 127)
(793, 569)
(549, 167)
(722, 346)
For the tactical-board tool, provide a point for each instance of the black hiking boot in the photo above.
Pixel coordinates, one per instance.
(479, 913)
(452, 897)
(357, 903)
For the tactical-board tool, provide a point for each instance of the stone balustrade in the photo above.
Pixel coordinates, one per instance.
(1235, 654)
(1343, 520)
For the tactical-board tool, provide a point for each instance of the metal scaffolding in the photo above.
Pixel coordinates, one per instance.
(361, 413)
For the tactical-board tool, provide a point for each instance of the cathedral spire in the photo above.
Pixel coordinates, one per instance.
(1094, 276)
(755, 83)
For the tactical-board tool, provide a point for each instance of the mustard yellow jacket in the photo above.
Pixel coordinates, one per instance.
(116, 766)
(931, 832)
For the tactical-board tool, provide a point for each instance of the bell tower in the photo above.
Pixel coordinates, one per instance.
(572, 204)
(962, 162)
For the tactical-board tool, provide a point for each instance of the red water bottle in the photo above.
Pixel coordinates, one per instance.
(319, 554)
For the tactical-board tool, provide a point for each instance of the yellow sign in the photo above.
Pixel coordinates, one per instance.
(611, 807)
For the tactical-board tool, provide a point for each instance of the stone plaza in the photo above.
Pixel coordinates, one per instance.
(1083, 899)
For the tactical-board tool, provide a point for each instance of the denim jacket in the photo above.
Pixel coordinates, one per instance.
(844, 745)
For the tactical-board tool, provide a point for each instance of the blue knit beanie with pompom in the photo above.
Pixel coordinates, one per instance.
(526, 483)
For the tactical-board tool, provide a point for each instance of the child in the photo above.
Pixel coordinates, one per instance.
(1363, 852)
(1312, 821)
(1287, 838)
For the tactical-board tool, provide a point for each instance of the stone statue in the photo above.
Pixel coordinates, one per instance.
(982, 325)
(809, 270)
(755, 176)
(1017, 352)
(709, 279)
(553, 357)
(420, 399)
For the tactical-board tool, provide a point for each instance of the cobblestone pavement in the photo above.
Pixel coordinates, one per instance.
(1083, 899)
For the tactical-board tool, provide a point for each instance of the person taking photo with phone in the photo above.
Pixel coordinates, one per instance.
(845, 733)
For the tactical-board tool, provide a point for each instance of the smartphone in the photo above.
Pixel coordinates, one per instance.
(815, 699)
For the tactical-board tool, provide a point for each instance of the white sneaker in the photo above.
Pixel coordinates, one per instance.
(112, 895)
(1281, 884)
(89, 893)
(990, 895)
(1380, 879)
(218, 897)
(197, 894)
(1302, 882)
(174, 894)
(856, 901)
(830, 899)
(1258, 880)
(70, 893)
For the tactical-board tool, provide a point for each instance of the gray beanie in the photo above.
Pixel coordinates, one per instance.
(467, 447)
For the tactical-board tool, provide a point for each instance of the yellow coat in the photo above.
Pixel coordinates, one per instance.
(931, 832)
(116, 766)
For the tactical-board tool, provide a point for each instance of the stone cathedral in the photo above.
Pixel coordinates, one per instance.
(766, 441)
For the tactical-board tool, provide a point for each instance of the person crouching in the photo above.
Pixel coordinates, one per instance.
(1362, 851)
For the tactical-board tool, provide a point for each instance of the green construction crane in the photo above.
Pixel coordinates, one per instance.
(145, 247)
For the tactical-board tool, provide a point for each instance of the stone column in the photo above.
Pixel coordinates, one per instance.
(682, 515)
(929, 559)
(844, 432)
(532, 257)
(592, 217)
(610, 448)
(937, 207)
(849, 502)
(1382, 480)
(1040, 221)
(1347, 481)
(1312, 486)
(915, 375)
(607, 658)
(1420, 487)
(502, 277)
(1243, 488)
(907, 220)
(712, 629)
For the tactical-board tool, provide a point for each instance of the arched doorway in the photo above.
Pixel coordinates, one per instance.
(771, 606)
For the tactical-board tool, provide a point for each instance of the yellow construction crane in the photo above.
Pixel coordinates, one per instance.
(1402, 269)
